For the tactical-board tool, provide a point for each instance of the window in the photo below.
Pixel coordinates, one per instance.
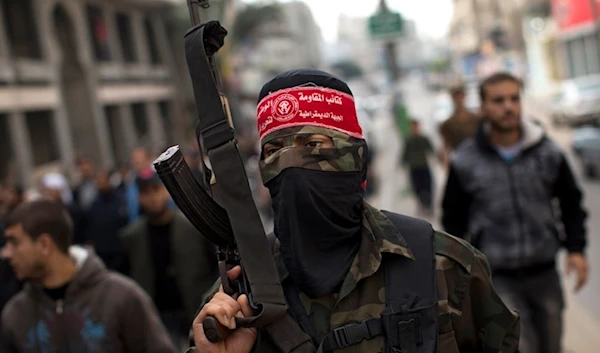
(5, 147)
(43, 139)
(140, 122)
(126, 36)
(577, 61)
(151, 38)
(591, 54)
(21, 28)
(98, 33)
(583, 56)
(167, 122)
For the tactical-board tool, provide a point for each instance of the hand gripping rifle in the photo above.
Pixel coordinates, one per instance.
(235, 227)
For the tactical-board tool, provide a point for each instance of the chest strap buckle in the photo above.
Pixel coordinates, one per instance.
(351, 334)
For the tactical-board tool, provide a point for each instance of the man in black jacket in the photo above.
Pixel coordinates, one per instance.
(499, 195)
(107, 215)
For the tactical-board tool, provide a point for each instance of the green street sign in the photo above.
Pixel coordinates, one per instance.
(386, 25)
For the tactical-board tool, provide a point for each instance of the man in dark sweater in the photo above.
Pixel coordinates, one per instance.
(499, 195)
(168, 257)
(107, 215)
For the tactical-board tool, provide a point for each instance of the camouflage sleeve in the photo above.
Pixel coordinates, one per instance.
(496, 326)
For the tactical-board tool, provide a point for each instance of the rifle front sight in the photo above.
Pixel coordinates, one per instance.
(192, 5)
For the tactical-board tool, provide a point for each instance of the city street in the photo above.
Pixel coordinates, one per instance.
(582, 317)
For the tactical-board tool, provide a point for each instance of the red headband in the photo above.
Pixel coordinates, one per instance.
(316, 106)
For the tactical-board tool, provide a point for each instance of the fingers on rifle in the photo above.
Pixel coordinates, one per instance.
(245, 305)
(234, 273)
(224, 308)
(217, 311)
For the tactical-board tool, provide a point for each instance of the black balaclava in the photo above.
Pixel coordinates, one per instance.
(317, 195)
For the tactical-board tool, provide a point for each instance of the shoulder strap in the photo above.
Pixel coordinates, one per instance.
(401, 270)
(410, 320)
(290, 325)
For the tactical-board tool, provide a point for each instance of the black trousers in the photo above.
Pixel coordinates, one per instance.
(420, 180)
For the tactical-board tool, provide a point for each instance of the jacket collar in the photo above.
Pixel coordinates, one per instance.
(533, 135)
(89, 271)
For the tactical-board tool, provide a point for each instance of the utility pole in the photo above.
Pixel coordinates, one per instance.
(388, 26)
(391, 50)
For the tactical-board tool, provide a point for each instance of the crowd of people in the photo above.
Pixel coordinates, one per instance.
(124, 221)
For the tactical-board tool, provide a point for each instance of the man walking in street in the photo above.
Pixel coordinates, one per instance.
(107, 216)
(71, 303)
(461, 125)
(168, 257)
(343, 264)
(84, 194)
(499, 196)
(140, 160)
(415, 157)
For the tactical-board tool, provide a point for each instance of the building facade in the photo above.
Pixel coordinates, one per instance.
(577, 23)
(82, 77)
(291, 41)
(483, 32)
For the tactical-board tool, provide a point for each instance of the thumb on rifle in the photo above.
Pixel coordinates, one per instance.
(233, 275)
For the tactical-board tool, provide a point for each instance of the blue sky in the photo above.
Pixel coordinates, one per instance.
(432, 16)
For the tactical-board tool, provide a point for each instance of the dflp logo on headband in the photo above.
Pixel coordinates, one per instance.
(316, 106)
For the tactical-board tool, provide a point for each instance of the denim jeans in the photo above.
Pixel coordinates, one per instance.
(540, 303)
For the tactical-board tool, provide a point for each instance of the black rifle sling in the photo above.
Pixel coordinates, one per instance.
(218, 141)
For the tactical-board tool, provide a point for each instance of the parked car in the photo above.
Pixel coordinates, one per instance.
(577, 102)
(586, 144)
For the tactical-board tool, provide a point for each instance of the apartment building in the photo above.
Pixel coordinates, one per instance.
(83, 77)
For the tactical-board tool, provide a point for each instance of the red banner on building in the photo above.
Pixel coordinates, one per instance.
(570, 14)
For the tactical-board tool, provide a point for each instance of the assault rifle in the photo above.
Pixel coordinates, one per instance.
(233, 223)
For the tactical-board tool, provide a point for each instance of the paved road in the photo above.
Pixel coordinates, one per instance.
(582, 318)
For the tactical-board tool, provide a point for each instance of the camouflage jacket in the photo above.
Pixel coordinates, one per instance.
(472, 318)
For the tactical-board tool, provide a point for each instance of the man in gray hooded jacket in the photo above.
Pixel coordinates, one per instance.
(71, 303)
(500, 195)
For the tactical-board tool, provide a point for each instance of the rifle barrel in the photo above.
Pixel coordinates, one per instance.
(193, 6)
